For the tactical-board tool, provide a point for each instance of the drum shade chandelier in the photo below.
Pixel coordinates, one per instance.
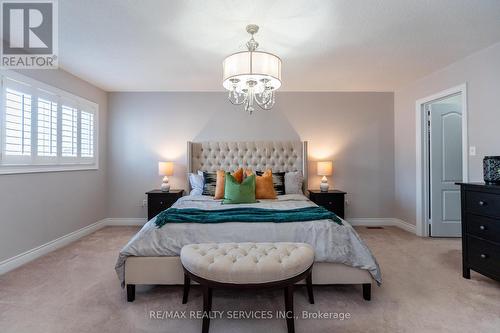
(252, 76)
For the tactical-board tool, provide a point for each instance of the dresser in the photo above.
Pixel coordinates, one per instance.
(333, 200)
(480, 229)
(158, 201)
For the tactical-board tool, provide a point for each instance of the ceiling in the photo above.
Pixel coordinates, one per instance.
(325, 45)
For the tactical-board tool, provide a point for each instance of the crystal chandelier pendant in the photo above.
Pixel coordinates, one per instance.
(252, 76)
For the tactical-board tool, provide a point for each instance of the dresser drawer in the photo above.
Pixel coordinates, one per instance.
(160, 203)
(483, 227)
(483, 203)
(328, 203)
(483, 255)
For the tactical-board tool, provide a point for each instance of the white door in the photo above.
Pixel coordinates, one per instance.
(445, 168)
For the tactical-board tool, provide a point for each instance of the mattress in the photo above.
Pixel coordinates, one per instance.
(332, 242)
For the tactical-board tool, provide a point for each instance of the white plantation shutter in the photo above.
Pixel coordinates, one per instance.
(17, 129)
(87, 134)
(69, 131)
(43, 128)
(46, 128)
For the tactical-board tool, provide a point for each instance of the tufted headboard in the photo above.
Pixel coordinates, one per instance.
(281, 156)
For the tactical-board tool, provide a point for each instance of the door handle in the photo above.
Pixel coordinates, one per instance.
(483, 256)
(482, 203)
(482, 227)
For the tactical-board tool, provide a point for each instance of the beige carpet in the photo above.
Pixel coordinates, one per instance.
(75, 289)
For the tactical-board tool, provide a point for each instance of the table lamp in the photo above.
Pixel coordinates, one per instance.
(165, 169)
(324, 169)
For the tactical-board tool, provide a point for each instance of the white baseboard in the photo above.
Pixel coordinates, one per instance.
(376, 222)
(125, 221)
(405, 226)
(25, 257)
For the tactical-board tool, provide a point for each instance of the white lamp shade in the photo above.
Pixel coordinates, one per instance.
(252, 65)
(165, 168)
(325, 168)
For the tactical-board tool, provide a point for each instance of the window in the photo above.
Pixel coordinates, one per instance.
(69, 131)
(87, 134)
(43, 128)
(47, 128)
(17, 123)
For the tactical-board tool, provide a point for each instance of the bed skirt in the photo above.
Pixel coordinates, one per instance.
(168, 271)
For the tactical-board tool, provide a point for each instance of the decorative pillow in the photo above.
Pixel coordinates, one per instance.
(209, 182)
(196, 182)
(264, 188)
(236, 192)
(219, 185)
(278, 181)
(293, 182)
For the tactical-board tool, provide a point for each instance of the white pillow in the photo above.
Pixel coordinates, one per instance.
(196, 181)
(293, 182)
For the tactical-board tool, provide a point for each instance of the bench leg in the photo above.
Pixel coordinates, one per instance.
(207, 307)
(289, 309)
(367, 291)
(310, 288)
(187, 284)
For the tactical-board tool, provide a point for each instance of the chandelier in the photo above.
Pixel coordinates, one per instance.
(252, 76)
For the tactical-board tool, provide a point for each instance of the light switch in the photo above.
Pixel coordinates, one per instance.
(472, 150)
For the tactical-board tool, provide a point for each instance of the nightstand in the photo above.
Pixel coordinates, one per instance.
(158, 201)
(333, 200)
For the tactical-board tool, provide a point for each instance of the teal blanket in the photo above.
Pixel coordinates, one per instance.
(191, 215)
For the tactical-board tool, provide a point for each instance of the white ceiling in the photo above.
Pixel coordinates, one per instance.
(341, 45)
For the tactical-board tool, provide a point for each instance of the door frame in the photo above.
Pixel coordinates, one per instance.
(422, 174)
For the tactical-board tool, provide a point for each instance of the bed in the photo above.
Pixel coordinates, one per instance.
(151, 257)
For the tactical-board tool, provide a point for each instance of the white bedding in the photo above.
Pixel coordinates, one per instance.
(332, 242)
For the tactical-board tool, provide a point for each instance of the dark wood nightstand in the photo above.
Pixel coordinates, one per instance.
(158, 201)
(333, 200)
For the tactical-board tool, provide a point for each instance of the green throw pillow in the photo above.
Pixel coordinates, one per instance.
(236, 193)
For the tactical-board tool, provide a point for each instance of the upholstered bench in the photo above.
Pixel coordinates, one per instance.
(247, 265)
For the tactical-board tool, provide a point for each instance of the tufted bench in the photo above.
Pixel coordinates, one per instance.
(247, 265)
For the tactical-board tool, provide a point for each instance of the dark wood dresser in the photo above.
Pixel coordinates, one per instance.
(480, 229)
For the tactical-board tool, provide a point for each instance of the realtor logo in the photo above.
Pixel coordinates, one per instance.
(29, 34)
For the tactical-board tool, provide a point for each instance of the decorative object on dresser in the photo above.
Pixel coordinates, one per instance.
(252, 76)
(165, 169)
(333, 200)
(491, 169)
(324, 169)
(480, 229)
(159, 200)
(214, 266)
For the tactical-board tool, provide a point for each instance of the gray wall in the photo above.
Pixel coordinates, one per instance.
(481, 71)
(40, 207)
(355, 130)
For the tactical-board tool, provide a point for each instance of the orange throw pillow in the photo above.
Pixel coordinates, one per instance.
(219, 184)
(264, 188)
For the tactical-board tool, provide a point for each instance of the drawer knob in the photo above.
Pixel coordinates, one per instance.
(483, 256)
(329, 202)
(482, 227)
(161, 202)
(482, 203)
